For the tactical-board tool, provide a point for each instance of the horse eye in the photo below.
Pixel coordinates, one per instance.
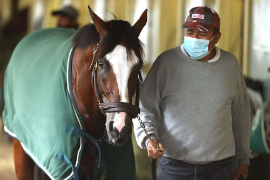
(100, 65)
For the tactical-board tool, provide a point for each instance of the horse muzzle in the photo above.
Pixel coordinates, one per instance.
(120, 126)
(119, 136)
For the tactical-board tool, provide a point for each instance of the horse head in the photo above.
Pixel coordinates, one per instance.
(117, 61)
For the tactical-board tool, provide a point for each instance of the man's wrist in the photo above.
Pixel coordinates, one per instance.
(244, 161)
(152, 136)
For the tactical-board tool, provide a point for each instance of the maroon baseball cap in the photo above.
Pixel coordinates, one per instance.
(202, 18)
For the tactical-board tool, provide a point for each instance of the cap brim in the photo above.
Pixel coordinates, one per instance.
(197, 25)
(54, 13)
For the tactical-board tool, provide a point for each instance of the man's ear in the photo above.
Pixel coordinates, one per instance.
(218, 35)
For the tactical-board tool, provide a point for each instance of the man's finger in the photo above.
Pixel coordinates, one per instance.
(159, 152)
(237, 176)
(244, 177)
(155, 154)
(154, 148)
(241, 177)
(161, 147)
(150, 153)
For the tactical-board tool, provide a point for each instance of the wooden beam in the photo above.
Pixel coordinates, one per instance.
(231, 22)
(246, 39)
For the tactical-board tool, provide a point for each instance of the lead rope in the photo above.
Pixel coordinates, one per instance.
(153, 161)
(143, 126)
(139, 118)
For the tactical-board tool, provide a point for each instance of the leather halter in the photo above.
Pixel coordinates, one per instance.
(129, 108)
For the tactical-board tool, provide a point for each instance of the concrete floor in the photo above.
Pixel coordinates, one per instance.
(7, 171)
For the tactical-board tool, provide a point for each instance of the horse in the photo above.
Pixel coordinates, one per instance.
(70, 120)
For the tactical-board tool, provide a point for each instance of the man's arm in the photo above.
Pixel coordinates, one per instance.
(150, 106)
(241, 127)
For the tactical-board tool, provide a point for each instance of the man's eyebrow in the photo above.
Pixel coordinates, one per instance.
(191, 30)
(203, 32)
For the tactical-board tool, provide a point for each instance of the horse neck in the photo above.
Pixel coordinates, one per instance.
(84, 93)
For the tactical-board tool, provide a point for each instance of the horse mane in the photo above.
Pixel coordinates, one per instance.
(118, 31)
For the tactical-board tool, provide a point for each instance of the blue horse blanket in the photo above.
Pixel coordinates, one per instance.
(41, 113)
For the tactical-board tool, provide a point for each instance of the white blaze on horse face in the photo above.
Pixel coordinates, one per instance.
(122, 67)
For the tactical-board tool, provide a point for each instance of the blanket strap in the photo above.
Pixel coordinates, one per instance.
(76, 132)
(64, 158)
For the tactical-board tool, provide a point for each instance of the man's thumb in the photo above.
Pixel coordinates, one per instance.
(237, 175)
(161, 147)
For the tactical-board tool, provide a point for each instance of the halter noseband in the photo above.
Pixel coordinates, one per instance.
(129, 108)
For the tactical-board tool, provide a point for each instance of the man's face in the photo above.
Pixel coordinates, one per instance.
(194, 33)
(65, 21)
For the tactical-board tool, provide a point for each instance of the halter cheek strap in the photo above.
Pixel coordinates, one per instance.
(94, 76)
(94, 54)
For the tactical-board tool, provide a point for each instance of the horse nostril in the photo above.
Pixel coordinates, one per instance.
(123, 131)
(116, 132)
(113, 131)
(111, 126)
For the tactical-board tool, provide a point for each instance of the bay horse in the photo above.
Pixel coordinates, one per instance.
(103, 70)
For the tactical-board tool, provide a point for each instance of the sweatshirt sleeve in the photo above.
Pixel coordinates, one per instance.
(241, 122)
(150, 106)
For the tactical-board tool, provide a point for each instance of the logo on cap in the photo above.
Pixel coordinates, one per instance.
(199, 16)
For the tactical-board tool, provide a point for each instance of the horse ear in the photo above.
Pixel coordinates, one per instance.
(99, 23)
(138, 26)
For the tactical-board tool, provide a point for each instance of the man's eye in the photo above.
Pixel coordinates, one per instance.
(202, 35)
(190, 34)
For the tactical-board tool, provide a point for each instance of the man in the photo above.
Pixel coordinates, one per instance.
(194, 105)
(66, 17)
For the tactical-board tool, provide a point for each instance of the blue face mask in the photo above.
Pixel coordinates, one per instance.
(196, 48)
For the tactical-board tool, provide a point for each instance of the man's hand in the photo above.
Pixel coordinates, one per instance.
(152, 150)
(242, 169)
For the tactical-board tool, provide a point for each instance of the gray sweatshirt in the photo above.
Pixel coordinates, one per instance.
(198, 110)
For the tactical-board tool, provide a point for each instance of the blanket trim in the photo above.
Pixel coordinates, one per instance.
(76, 111)
(79, 118)
(28, 152)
